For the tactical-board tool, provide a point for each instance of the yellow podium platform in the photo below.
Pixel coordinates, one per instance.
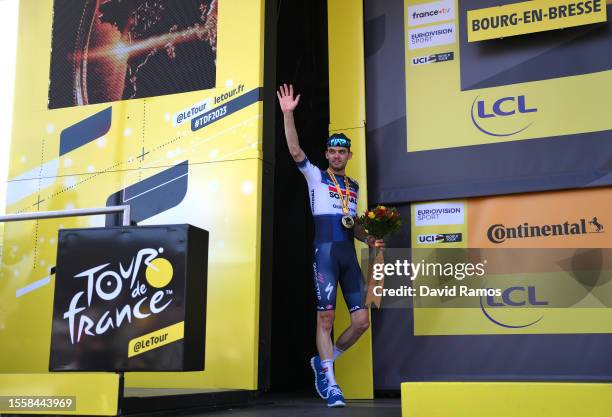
(506, 399)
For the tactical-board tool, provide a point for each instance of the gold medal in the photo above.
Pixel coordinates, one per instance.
(347, 221)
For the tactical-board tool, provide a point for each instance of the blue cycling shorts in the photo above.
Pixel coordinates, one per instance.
(336, 262)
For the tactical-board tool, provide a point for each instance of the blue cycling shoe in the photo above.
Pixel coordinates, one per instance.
(335, 397)
(320, 379)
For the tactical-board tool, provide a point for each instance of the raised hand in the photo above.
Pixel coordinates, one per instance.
(285, 98)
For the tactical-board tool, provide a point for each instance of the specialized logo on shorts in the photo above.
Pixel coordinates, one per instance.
(329, 290)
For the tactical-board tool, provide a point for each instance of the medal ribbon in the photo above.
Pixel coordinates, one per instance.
(345, 203)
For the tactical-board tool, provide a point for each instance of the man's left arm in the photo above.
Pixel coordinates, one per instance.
(371, 241)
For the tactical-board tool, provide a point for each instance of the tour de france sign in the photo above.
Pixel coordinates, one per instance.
(130, 299)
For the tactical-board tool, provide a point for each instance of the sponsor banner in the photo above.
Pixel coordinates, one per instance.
(543, 291)
(137, 306)
(532, 16)
(441, 213)
(560, 219)
(425, 13)
(432, 59)
(514, 91)
(430, 36)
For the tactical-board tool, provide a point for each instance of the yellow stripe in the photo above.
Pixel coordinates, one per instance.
(156, 339)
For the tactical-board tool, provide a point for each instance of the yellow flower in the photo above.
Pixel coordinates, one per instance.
(371, 215)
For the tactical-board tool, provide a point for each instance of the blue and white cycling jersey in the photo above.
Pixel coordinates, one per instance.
(335, 260)
(325, 203)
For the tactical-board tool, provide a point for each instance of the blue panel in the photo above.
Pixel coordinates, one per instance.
(85, 131)
(152, 195)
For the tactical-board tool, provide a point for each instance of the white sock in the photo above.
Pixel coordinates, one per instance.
(337, 352)
(328, 368)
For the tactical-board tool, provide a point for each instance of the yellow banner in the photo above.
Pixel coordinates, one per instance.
(532, 16)
(156, 339)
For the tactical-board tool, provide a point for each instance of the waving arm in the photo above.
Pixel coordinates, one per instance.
(287, 104)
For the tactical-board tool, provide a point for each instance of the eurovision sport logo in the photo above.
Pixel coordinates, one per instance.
(121, 299)
(440, 213)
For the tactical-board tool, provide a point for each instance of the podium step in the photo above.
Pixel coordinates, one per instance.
(506, 399)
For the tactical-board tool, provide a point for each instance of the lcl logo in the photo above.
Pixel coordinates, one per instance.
(513, 297)
(517, 297)
(501, 108)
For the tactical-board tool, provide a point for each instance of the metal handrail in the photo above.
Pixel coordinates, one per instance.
(126, 210)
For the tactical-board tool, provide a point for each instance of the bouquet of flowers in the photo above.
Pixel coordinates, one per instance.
(378, 222)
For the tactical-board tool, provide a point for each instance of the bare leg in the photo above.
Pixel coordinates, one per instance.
(360, 322)
(325, 324)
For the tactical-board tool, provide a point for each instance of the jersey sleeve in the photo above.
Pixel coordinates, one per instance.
(310, 171)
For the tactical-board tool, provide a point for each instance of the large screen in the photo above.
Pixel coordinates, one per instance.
(114, 50)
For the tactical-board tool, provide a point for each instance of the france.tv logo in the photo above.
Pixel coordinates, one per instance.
(513, 297)
(507, 111)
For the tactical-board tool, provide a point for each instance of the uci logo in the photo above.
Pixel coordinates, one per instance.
(484, 115)
(421, 60)
(525, 297)
(430, 238)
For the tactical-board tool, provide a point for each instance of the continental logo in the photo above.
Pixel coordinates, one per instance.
(499, 233)
(532, 16)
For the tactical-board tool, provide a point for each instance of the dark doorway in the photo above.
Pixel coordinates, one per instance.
(302, 61)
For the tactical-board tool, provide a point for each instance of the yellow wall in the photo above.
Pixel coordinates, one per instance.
(223, 197)
(347, 115)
